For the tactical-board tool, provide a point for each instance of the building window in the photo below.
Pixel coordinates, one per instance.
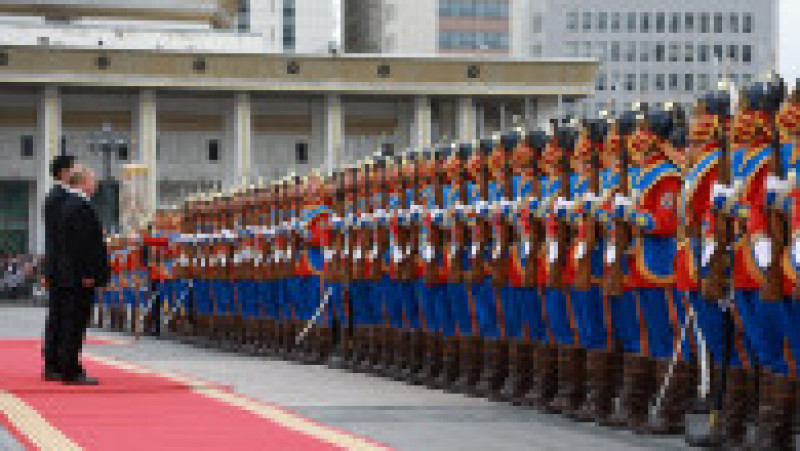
(587, 21)
(660, 82)
(572, 48)
(733, 54)
(747, 78)
(601, 50)
(705, 23)
(717, 52)
(26, 146)
(734, 23)
(702, 53)
(675, 23)
(122, 152)
(631, 22)
(644, 82)
(688, 82)
(301, 153)
(614, 84)
(689, 53)
(615, 21)
(747, 53)
(673, 52)
(602, 22)
(289, 25)
(661, 22)
(688, 22)
(660, 53)
(717, 22)
(572, 21)
(536, 50)
(587, 49)
(615, 51)
(673, 82)
(702, 82)
(602, 80)
(630, 51)
(536, 23)
(212, 147)
(644, 22)
(644, 51)
(747, 23)
(630, 82)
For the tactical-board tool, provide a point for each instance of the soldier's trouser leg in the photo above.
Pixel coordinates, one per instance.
(589, 318)
(486, 301)
(710, 320)
(483, 294)
(590, 307)
(469, 346)
(762, 326)
(558, 317)
(571, 357)
(447, 308)
(627, 334)
(520, 351)
(435, 296)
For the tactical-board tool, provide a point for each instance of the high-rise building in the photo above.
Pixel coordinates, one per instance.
(650, 50)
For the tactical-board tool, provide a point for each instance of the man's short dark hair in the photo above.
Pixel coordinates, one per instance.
(60, 164)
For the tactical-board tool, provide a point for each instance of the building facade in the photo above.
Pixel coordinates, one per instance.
(650, 50)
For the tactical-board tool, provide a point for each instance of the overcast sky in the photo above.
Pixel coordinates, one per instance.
(790, 39)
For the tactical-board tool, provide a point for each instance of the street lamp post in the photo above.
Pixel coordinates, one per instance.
(107, 142)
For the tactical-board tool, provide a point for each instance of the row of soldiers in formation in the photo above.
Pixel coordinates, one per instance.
(552, 269)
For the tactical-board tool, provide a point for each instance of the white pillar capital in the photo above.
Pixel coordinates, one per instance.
(147, 142)
(466, 119)
(242, 125)
(334, 131)
(423, 123)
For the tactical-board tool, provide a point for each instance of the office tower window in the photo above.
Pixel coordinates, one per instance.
(660, 82)
(717, 52)
(644, 22)
(630, 51)
(644, 82)
(587, 21)
(717, 22)
(675, 23)
(689, 53)
(602, 80)
(572, 48)
(688, 22)
(705, 23)
(733, 54)
(122, 152)
(673, 52)
(747, 53)
(734, 22)
(536, 23)
(587, 49)
(661, 22)
(26, 146)
(660, 52)
(615, 21)
(614, 84)
(688, 82)
(243, 16)
(644, 51)
(747, 23)
(289, 25)
(212, 149)
(734, 79)
(601, 50)
(301, 153)
(630, 82)
(702, 53)
(615, 51)
(747, 78)
(702, 82)
(536, 50)
(631, 22)
(602, 22)
(572, 21)
(673, 82)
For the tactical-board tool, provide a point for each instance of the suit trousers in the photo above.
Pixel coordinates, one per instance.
(52, 330)
(76, 308)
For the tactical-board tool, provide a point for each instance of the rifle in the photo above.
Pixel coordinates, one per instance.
(583, 274)
(619, 242)
(459, 227)
(436, 232)
(563, 236)
(501, 259)
(481, 230)
(536, 141)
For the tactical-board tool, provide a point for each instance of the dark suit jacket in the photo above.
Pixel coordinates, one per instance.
(84, 254)
(53, 229)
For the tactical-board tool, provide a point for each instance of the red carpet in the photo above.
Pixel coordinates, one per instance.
(135, 409)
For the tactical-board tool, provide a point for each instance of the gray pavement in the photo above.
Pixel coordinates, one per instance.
(389, 412)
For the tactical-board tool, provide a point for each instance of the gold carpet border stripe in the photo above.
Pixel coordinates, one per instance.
(31, 424)
(266, 411)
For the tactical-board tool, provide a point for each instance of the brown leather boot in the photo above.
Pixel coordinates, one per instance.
(400, 348)
(432, 365)
(416, 355)
(470, 358)
(520, 365)
(449, 372)
(776, 407)
(544, 381)
(599, 387)
(638, 380)
(668, 418)
(571, 378)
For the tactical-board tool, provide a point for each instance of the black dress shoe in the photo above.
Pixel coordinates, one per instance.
(52, 376)
(81, 379)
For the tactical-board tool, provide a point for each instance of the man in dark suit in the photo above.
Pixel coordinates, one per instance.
(83, 267)
(61, 170)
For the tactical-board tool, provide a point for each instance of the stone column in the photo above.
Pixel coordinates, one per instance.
(421, 127)
(529, 113)
(146, 129)
(334, 131)
(242, 136)
(547, 108)
(48, 135)
(466, 119)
